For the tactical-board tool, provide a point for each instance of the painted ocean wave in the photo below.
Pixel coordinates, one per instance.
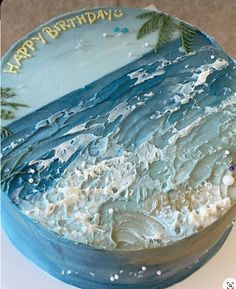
(135, 159)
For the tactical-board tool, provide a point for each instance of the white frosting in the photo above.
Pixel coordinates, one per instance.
(143, 75)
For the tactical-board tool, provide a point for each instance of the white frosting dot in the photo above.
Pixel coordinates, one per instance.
(159, 272)
(144, 268)
(117, 276)
(111, 211)
(130, 54)
(104, 34)
(112, 279)
(227, 153)
(212, 56)
(31, 180)
(228, 180)
(119, 34)
(146, 44)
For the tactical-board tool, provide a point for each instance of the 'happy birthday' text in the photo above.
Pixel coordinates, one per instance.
(53, 32)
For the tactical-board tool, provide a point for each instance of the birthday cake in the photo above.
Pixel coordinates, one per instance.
(118, 137)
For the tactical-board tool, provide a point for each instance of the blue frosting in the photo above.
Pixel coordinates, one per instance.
(94, 102)
(183, 105)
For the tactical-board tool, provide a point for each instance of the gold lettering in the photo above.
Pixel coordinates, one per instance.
(91, 17)
(82, 19)
(12, 69)
(63, 25)
(39, 37)
(29, 44)
(108, 14)
(118, 14)
(100, 15)
(58, 28)
(72, 21)
(53, 33)
(24, 51)
(18, 58)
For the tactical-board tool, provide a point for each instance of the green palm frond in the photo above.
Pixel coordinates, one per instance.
(7, 92)
(147, 14)
(187, 35)
(14, 105)
(7, 114)
(5, 132)
(167, 28)
(14, 169)
(150, 26)
(166, 25)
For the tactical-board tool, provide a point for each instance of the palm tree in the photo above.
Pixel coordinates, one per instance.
(167, 26)
(6, 114)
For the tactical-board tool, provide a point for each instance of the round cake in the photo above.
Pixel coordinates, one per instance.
(118, 148)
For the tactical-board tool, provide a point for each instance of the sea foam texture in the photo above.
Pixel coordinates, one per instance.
(150, 156)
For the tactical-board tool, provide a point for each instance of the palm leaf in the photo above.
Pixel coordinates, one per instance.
(187, 35)
(167, 26)
(7, 92)
(17, 162)
(149, 26)
(14, 105)
(167, 29)
(147, 15)
(5, 132)
(7, 114)
(13, 171)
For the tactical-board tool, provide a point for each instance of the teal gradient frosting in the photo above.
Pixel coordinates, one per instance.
(133, 159)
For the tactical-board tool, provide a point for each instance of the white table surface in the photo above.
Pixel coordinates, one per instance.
(14, 267)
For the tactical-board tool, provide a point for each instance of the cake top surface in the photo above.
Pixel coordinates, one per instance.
(71, 51)
(120, 128)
